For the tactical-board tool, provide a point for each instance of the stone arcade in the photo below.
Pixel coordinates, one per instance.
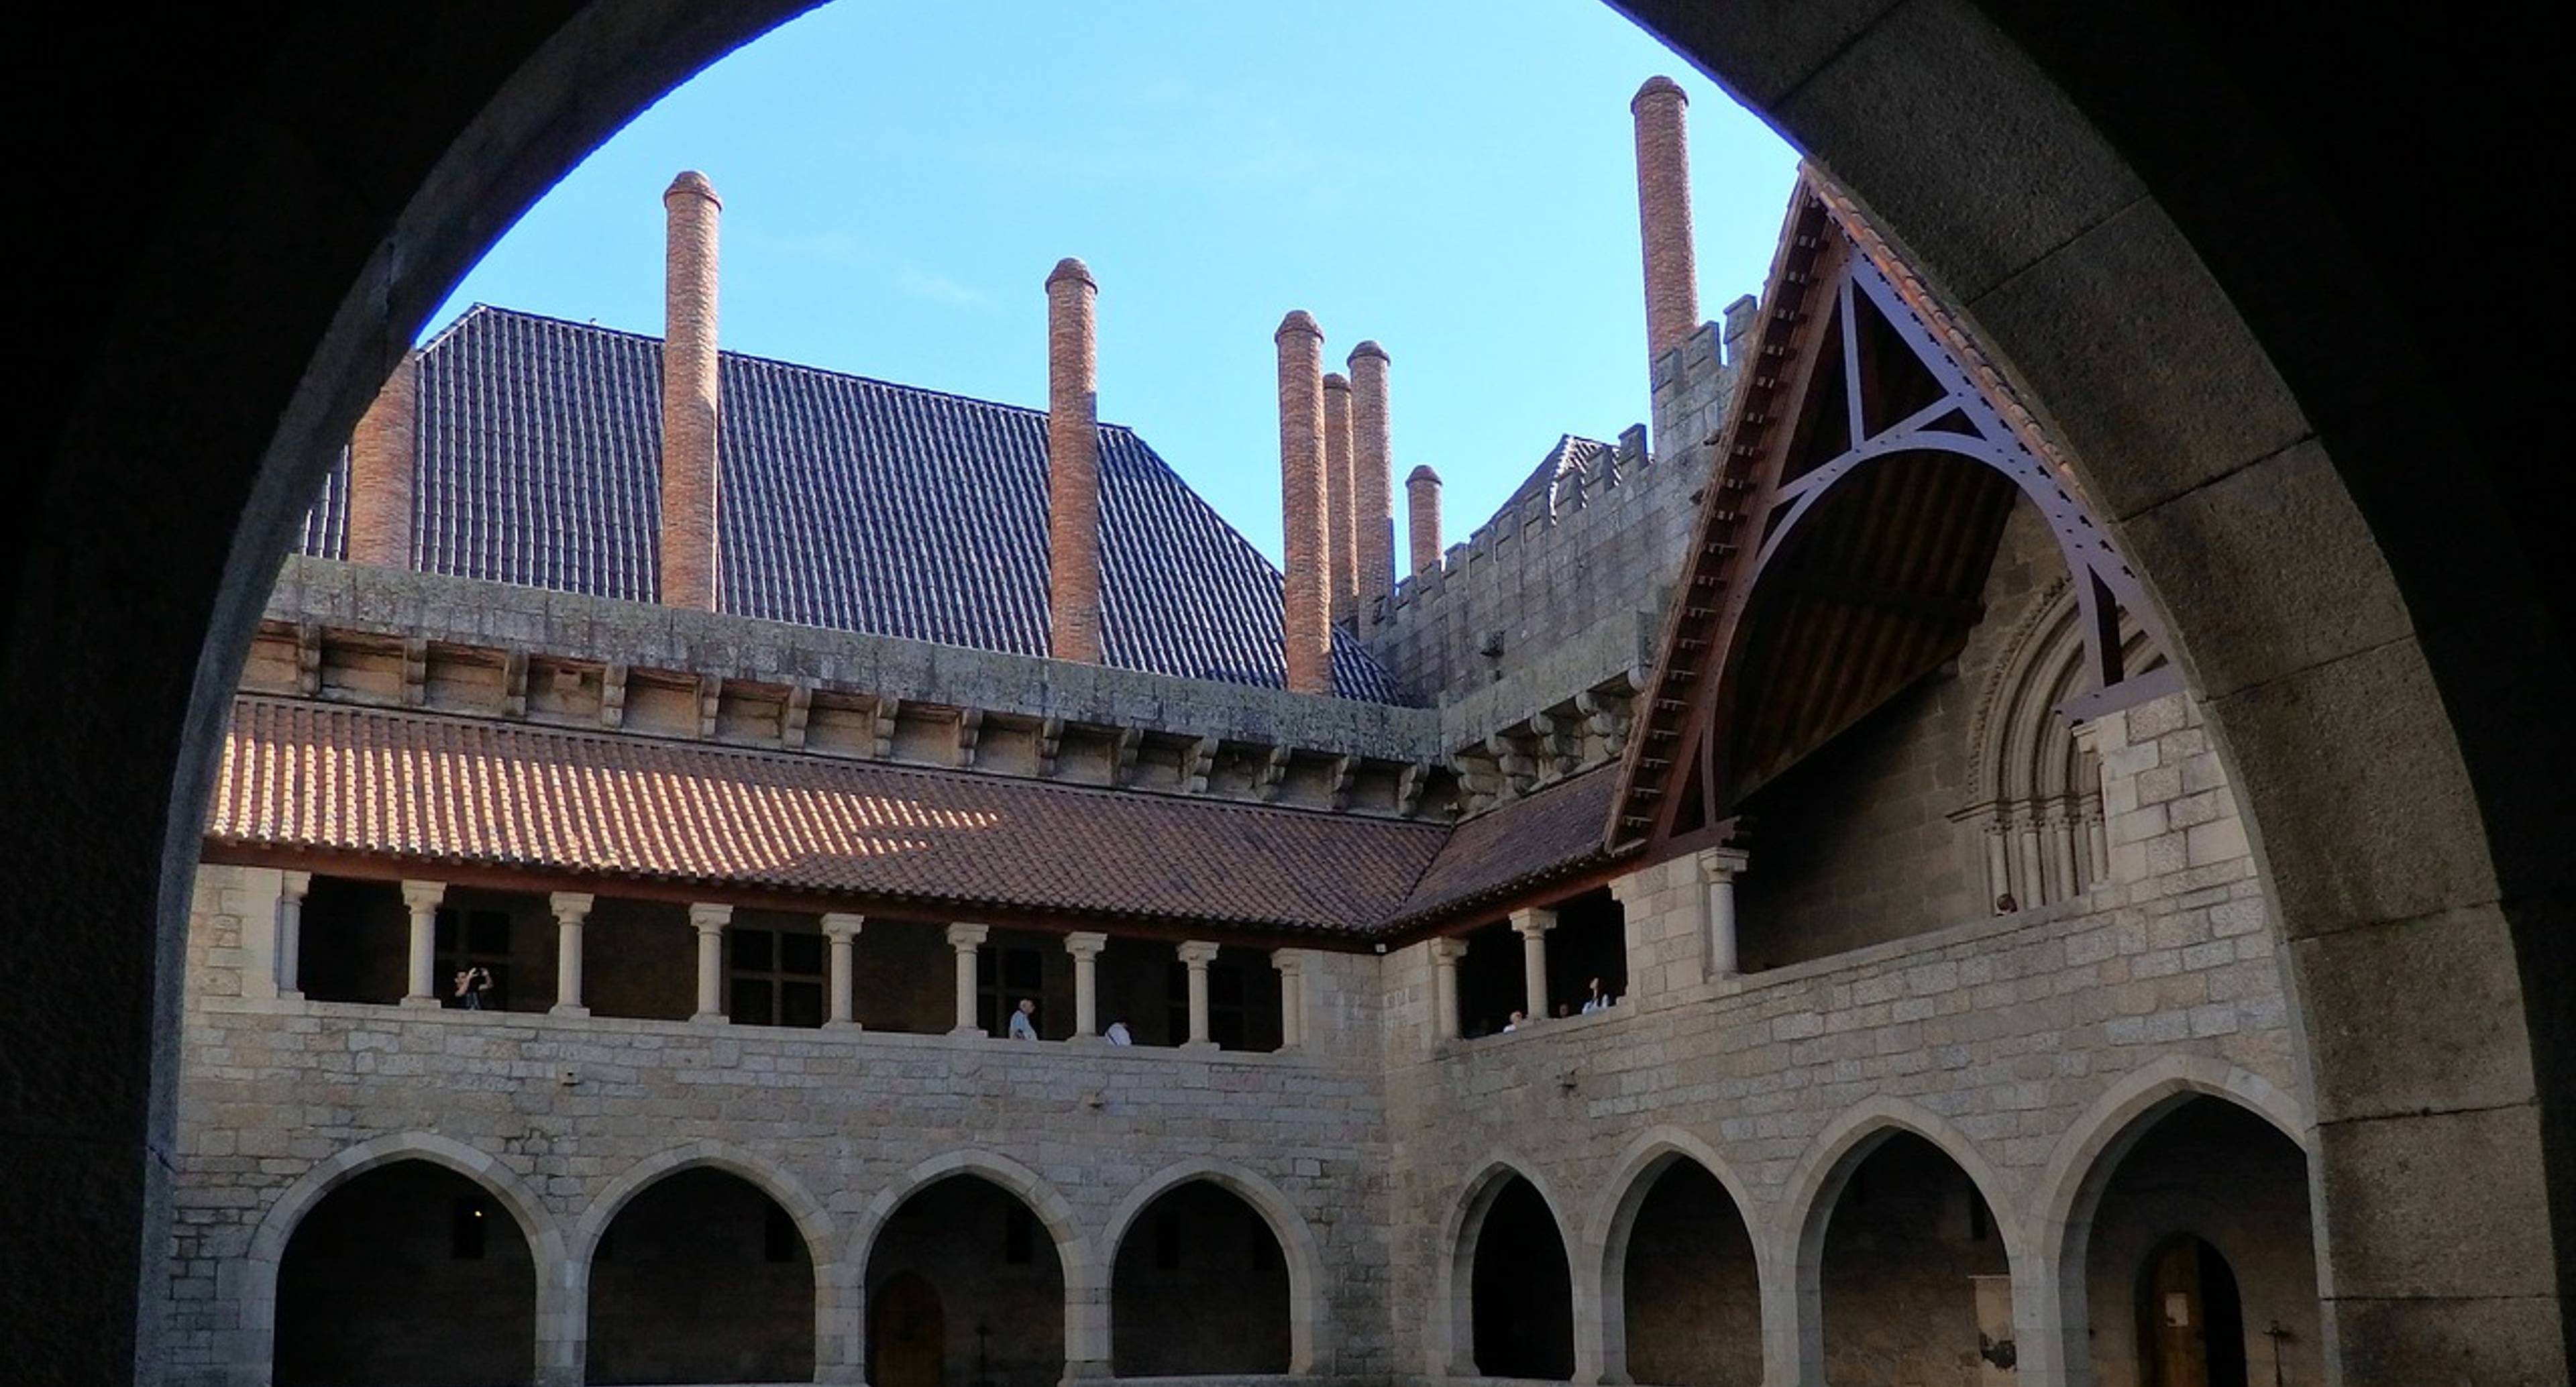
(1817, 725)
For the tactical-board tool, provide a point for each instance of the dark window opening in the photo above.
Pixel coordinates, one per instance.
(1589, 945)
(1490, 980)
(473, 940)
(1005, 973)
(776, 977)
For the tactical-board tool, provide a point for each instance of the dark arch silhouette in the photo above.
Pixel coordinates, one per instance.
(701, 1277)
(1199, 1286)
(1521, 1290)
(1908, 1232)
(1689, 1285)
(995, 1272)
(409, 1275)
(2235, 165)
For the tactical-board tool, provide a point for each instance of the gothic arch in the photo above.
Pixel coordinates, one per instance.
(1308, 1306)
(1600, 1263)
(833, 1307)
(1448, 1341)
(268, 1241)
(1086, 1290)
(2069, 1189)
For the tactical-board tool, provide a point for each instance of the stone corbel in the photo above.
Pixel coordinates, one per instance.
(612, 695)
(415, 671)
(1122, 762)
(1274, 773)
(1050, 742)
(970, 730)
(514, 684)
(799, 711)
(710, 703)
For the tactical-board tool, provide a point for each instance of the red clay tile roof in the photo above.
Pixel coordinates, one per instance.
(433, 789)
(1522, 843)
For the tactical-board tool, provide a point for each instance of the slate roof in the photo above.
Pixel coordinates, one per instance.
(846, 502)
(423, 788)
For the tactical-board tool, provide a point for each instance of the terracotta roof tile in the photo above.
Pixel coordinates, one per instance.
(434, 789)
(1526, 841)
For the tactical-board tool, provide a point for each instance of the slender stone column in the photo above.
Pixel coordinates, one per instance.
(1718, 868)
(1085, 949)
(1445, 954)
(1196, 955)
(1532, 926)
(710, 922)
(1291, 964)
(2034, 877)
(571, 908)
(966, 939)
(422, 898)
(1998, 861)
(292, 888)
(843, 932)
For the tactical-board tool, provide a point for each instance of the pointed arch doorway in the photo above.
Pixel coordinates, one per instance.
(2191, 1319)
(907, 1334)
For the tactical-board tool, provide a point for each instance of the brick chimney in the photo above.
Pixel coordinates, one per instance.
(1073, 466)
(1343, 574)
(1422, 518)
(1663, 214)
(689, 394)
(1372, 523)
(1306, 619)
(380, 471)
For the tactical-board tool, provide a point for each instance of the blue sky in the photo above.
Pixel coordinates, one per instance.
(1454, 178)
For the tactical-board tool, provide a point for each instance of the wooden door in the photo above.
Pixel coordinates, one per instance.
(2173, 1320)
(907, 1337)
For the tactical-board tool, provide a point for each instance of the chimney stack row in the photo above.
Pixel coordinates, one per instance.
(1422, 518)
(1341, 573)
(1306, 623)
(380, 471)
(1372, 525)
(1073, 465)
(688, 537)
(1663, 214)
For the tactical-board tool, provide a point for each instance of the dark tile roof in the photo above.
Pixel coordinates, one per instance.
(847, 503)
(1519, 844)
(426, 789)
(1559, 473)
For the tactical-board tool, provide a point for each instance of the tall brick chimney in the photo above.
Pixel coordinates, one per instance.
(1422, 518)
(1663, 214)
(689, 393)
(1343, 574)
(1372, 521)
(1073, 466)
(1306, 625)
(380, 471)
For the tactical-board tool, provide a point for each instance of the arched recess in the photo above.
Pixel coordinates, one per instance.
(1817, 1186)
(1309, 1308)
(2069, 1191)
(267, 1250)
(1608, 1235)
(1450, 1339)
(812, 1222)
(1086, 1317)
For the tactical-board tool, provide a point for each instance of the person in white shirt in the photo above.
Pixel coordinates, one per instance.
(1599, 1000)
(1514, 1024)
(1024, 1024)
(1117, 1034)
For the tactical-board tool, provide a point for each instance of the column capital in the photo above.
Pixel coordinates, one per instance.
(571, 907)
(842, 925)
(1721, 864)
(1533, 920)
(1288, 960)
(1447, 950)
(1085, 944)
(294, 885)
(1197, 953)
(709, 919)
(966, 936)
(423, 895)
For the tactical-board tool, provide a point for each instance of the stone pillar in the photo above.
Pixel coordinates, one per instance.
(1073, 465)
(2092, 844)
(1718, 868)
(381, 461)
(689, 393)
(1998, 861)
(1422, 519)
(1291, 964)
(1532, 926)
(1663, 213)
(421, 898)
(571, 909)
(710, 922)
(1196, 955)
(1372, 479)
(292, 889)
(1445, 954)
(1307, 623)
(2032, 876)
(843, 932)
(966, 939)
(1340, 567)
(1085, 949)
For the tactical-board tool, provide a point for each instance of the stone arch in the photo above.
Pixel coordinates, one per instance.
(1448, 1342)
(1086, 1292)
(832, 1306)
(267, 1249)
(1814, 1188)
(1308, 1307)
(2069, 1189)
(1601, 1262)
